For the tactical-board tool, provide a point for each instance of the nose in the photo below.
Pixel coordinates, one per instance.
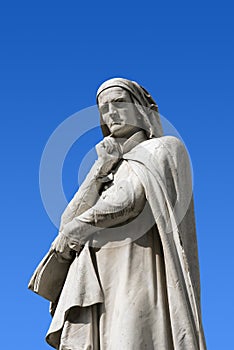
(112, 110)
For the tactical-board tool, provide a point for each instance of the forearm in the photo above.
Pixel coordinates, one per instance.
(110, 210)
(81, 228)
(88, 192)
(87, 195)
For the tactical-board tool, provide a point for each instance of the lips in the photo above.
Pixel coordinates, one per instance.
(116, 122)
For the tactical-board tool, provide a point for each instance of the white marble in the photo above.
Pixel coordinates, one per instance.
(127, 241)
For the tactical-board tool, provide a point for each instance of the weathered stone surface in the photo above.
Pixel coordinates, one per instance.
(129, 239)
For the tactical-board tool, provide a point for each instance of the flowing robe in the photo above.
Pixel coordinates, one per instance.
(135, 286)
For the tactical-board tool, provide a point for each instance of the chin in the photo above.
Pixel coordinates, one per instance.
(116, 130)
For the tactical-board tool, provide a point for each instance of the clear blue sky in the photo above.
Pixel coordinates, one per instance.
(54, 55)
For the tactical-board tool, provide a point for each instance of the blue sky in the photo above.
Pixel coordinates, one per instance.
(53, 57)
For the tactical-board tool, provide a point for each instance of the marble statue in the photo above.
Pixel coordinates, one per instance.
(123, 272)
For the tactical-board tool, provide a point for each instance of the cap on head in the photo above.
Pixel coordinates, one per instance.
(143, 101)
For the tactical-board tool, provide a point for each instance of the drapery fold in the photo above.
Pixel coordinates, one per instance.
(162, 166)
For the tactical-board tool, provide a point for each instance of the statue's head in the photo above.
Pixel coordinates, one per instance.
(126, 107)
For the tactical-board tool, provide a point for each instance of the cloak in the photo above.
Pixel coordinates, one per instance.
(163, 167)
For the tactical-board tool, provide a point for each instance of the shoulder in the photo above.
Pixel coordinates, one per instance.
(160, 150)
(164, 145)
(163, 140)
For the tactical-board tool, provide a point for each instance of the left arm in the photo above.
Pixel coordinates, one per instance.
(122, 201)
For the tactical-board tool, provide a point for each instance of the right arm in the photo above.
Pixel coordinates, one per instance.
(109, 155)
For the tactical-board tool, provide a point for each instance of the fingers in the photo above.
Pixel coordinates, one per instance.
(64, 255)
(64, 249)
(75, 246)
(110, 146)
(63, 258)
(101, 151)
(106, 146)
(60, 245)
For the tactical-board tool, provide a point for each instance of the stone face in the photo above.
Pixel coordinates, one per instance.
(123, 272)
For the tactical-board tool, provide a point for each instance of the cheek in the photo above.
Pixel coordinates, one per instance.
(105, 119)
(128, 115)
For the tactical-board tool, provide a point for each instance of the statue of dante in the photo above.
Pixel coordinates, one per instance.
(123, 272)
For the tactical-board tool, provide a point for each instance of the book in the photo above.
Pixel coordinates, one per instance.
(49, 277)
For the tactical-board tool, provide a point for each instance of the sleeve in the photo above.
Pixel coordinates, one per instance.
(86, 196)
(123, 200)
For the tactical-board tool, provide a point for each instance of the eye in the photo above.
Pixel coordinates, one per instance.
(104, 108)
(120, 103)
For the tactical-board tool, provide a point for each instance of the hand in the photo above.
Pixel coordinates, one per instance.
(61, 247)
(109, 153)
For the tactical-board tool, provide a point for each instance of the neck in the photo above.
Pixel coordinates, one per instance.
(132, 141)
